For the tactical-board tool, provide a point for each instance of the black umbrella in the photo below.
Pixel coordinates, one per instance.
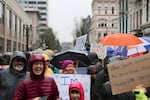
(76, 56)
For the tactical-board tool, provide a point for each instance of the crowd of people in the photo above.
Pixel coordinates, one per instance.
(27, 78)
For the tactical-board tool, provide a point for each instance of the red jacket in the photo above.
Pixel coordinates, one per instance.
(79, 87)
(30, 89)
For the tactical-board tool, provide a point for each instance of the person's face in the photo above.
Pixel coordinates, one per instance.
(69, 69)
(18, 64)
(47, 62)
(38, 67)
(74, 95)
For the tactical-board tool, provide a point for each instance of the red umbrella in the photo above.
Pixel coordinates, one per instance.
(119, 39)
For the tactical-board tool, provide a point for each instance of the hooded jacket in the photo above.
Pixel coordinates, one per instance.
(36, 85)
(78, 86)
(9, 79)
(47, 70)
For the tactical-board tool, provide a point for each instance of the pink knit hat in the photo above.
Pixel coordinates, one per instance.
(65, 63)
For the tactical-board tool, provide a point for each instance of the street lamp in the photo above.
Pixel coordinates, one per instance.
(27, 28)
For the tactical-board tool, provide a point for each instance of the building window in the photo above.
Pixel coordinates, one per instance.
(112, 25)
(99, 10)
(15, 23)
(8, 18)
(105, 10)
(102, 22)
(8, 45)
(32, 2)
(1, 12)
(113, 10)
(1, 18)
(43, 19)
(42, 8)
(40, 2)
(42, 13)
(43, 24)
(147, 10)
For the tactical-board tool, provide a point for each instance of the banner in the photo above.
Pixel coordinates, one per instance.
(63, 81)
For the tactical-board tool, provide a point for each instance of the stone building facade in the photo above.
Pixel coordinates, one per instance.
(105, 19)
(12, 21)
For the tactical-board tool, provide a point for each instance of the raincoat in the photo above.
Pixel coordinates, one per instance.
(140, 94)
(9, 79)
(79, 87)
(47, 70)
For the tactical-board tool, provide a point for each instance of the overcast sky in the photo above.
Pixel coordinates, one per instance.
(62, 13)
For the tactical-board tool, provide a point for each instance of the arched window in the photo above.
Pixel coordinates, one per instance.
(102, 22)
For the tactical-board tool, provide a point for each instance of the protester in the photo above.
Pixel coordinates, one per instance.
(48, 70)
(38, 86)
(76, 91)
(101, 78)
(13, 75)
(102, 88)
(92, 56)
(68, 67)
(93, 70)
(107, 92)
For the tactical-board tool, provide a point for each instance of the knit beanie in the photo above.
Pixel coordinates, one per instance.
(65, 63)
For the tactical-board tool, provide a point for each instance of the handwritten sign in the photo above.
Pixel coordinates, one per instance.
(99, 49)
(127, 74)
(63, 81)
(80, 42)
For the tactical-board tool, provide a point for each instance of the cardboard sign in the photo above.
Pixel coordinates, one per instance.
(127, 74)
(63, 81)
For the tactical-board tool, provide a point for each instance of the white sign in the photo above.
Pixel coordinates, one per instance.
(63, 81)
(80, 42)
(99, 49)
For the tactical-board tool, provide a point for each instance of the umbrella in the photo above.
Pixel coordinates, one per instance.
(146, 42)
(134, 50)
(120, 40)
(78, 56)
(140, 48)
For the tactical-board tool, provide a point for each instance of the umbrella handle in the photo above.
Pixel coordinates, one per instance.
(77, 63)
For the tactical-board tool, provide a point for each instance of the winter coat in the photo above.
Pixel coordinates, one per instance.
(9, 79)
(140, 94)
(109, 96)
(78, 86)
(30, 89)
(101, 78)
(36, 85)
(47, 70)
